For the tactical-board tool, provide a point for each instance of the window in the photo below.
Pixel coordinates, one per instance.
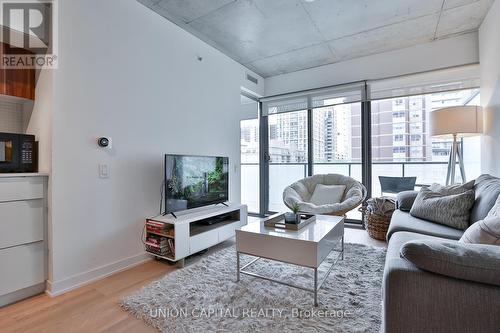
(249, 154)
(398, 114)
(399, 127)
(288, 152)
(397, 158)
(399, 150)
(415, 137)
(337, 141)
(319, 131)
(399, 137)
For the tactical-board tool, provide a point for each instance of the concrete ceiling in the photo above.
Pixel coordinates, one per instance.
(273, 37)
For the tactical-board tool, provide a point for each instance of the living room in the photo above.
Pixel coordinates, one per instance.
(307, 165)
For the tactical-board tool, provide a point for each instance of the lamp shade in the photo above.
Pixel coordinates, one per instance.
(458, 120)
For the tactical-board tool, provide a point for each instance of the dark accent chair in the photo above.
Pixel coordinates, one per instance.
(394, 185)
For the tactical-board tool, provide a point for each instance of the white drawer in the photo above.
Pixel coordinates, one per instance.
(227, 231)
(22, 188)
(203, 241)
(21, 267)
(21, 222)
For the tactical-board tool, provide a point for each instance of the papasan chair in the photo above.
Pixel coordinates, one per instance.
(328, 200)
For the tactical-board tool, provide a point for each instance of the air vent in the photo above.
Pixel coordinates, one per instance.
(252, 79)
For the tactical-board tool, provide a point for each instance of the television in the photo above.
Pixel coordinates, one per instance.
(195, 181)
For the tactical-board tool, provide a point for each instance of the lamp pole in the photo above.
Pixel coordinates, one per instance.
(455, 153)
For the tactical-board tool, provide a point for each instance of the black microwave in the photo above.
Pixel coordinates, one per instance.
(18, 153)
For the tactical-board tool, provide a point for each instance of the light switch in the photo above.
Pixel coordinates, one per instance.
(103, 171)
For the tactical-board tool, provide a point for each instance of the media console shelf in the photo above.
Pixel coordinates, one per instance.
(193, 230)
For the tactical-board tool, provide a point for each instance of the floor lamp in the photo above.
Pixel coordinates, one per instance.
(456, 122)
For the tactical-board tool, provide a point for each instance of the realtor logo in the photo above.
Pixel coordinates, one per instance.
(29, 34)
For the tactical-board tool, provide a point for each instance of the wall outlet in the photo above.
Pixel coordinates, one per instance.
(103, 171)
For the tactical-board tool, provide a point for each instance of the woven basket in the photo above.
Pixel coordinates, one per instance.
(375, 223)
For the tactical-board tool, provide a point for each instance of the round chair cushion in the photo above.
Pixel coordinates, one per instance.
(301, 191)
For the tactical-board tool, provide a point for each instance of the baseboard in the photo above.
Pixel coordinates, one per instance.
(55, 288)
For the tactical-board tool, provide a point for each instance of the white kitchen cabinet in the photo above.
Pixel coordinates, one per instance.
(23, 236)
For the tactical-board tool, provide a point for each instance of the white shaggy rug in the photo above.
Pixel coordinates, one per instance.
(204, 297)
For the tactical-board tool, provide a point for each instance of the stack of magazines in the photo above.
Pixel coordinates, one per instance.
(159, 245)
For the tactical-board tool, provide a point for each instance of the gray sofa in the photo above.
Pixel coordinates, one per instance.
(415, 300)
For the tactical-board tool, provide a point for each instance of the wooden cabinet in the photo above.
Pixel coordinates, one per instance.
(17, 82)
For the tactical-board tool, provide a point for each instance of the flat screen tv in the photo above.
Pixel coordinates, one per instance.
(195, 181)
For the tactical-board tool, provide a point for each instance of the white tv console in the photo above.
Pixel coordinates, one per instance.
(190, 235)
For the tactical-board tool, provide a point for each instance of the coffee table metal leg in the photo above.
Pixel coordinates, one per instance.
(315, 287)
(237, 267)
(342, 247)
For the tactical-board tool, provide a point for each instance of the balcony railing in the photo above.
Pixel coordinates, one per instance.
(283, 174)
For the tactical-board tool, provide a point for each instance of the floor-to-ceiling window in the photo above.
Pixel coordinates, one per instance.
(288, 153)
(311, 134)
(363, 130)
(249, 147)
(402, 146)
(337, 142)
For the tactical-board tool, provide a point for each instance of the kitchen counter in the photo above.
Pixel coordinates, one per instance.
(27, 174)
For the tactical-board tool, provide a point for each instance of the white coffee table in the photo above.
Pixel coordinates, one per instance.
(307, 247)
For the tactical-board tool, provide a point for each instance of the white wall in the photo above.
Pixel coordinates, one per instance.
(489, 49)
(39, 116)
(439, 54)
(40, 120)
(127, 73)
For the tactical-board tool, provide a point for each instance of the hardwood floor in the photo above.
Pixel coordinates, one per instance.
(95, 307)
(92, 308)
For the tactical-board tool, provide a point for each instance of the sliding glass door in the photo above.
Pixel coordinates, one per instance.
(309, 135)
(250, 154)
(337, 142)
(288, 154)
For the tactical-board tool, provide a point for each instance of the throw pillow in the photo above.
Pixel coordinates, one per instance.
(473, 262)
(486, 231)
(405, 200)
(452, 189)
(327, 194)
(495, 210)
(451, 210)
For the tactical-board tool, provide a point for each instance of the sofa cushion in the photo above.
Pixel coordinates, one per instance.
(327, 194)
(472, 262)
(495, 210)
(400, 238)
(487, 189)
(452, 189)
(486, 231)
(403, 221)
(452, 210)
(416, 301)
(405, 199)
